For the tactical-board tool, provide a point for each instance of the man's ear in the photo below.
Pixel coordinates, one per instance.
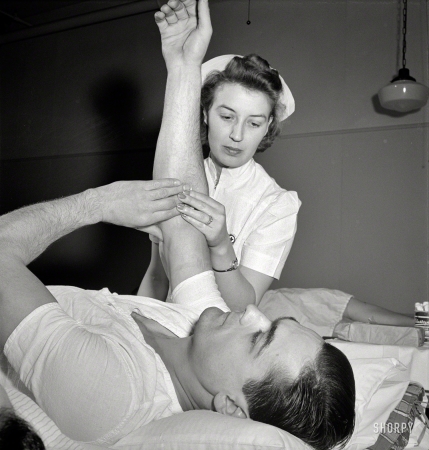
(205, 116)
(225, 405)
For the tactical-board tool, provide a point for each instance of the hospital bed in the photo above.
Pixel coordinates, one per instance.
(390, 396)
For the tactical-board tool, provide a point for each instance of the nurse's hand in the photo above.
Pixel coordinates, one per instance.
(206, 215)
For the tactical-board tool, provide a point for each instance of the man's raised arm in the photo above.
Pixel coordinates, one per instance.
(185, 35)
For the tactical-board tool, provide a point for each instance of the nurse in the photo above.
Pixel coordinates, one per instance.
(248, 220)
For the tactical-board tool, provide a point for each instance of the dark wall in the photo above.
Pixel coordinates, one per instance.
(82, 108)
(96, 256)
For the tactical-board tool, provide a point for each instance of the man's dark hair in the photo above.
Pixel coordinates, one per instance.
(317, 407)
(16, 433)
(253, 73)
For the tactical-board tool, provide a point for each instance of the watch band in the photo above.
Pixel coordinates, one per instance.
(234, 266)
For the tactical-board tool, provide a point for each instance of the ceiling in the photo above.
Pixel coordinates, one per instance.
(18, 15)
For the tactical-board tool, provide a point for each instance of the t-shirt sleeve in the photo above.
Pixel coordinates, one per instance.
(267, 247)
(199, 293)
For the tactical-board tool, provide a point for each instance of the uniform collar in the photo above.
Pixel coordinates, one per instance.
(233, 173)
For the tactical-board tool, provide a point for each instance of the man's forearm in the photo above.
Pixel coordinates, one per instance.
(178, 152)
(27, 232)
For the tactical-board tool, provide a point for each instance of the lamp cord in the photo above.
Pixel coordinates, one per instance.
(404, 35)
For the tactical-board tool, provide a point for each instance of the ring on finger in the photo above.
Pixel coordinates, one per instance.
(210, 220)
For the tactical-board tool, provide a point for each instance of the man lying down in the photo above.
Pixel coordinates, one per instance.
(102, 365)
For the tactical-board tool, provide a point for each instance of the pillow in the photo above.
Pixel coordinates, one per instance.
(380, 385)
(207, 430)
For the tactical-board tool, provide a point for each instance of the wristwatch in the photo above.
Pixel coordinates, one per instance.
(234, 266)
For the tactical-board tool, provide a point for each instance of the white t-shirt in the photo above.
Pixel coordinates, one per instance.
(261, 217)
(88, 366)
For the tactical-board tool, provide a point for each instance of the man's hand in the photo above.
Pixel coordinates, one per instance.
(137, 204)
(184, 35)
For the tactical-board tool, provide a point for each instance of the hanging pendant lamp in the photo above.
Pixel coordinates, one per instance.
(403, 94)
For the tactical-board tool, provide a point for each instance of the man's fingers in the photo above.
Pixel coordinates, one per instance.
(160, 216)
(164, 204)
(159, 16)
(204, 21)
(160, 21)
(162, 182)
(181, 11)
(191, 7)
(171, 18)
(170, 15)
(165, 193)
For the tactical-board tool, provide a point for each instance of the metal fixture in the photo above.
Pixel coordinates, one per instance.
(403, 93)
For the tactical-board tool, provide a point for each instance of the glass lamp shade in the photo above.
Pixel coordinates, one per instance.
(403, 95)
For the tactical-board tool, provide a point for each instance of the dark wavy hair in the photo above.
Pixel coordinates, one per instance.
(254, 73)
(317, 407)
(16, 433)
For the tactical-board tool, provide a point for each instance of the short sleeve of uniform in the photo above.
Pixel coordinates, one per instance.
(267, 247)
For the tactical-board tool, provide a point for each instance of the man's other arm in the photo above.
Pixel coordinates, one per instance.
(27, 232)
